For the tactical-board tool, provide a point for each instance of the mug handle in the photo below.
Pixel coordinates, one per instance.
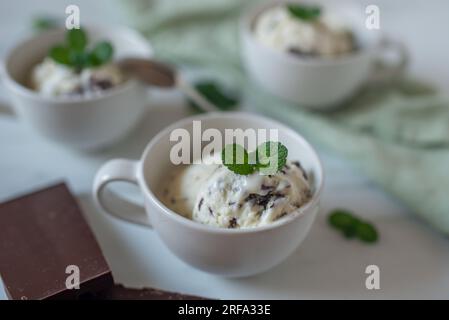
(112, 171)
(5, 107)
(390, 71)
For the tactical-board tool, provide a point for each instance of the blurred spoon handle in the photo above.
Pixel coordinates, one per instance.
(193, 95)
(148, 71)
(159, 74)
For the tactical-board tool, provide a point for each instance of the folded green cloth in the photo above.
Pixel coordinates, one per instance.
(398, 135)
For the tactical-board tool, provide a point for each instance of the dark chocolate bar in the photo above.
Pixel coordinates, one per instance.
(41, 234)
(119, 292)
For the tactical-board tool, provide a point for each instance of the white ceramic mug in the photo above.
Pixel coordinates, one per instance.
(226, 252)
(77, 121)
(316, 82)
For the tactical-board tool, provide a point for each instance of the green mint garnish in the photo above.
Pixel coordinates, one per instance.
(101, 53)
(60, 54)
(78, 59)
(76, 40)
(304, 12)
(352, 226)
(215, 94)
(366, 232)
(45, 23)
(268, 158)
(74, 52)
(236, 159)
(268, 153)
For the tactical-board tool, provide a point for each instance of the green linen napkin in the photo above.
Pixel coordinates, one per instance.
(398, 135)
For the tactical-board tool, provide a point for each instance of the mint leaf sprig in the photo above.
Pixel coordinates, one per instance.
(268, 158)
(239, 163)
(216, 94)
(45, 22)
(74, 52)
(351, 226)
(307, 13)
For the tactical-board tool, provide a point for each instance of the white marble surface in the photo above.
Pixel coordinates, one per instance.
(413, 258)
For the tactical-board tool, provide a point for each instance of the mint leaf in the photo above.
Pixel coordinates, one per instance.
(235, 158)
(351, 226)
(76, 39)
(366, 232)
(268, 158)
(344, 221)
(271, 155)
(92, 60)
(304, 12)
(74, 54)
(45, 23)
(215, 94)
(78, 59)
(341, 219)
(60, 54)
(101, 53)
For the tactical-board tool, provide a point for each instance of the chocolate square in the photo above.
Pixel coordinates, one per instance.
(41, 234)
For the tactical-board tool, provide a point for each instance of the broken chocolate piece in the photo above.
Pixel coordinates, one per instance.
(119, 292)
(41, 234)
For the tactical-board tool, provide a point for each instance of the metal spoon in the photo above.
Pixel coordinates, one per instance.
(159, 74)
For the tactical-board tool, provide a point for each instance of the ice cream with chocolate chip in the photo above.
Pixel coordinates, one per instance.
(326, 36)
(212, 194)
(53, 79)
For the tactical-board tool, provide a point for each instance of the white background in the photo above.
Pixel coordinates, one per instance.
(413, 258)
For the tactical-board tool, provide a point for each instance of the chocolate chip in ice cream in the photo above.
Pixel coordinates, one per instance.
(102, 84)
(262, 200)
(233, 223)
(298, 164)
(299, 52)
(283, 214)
(266, 187)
